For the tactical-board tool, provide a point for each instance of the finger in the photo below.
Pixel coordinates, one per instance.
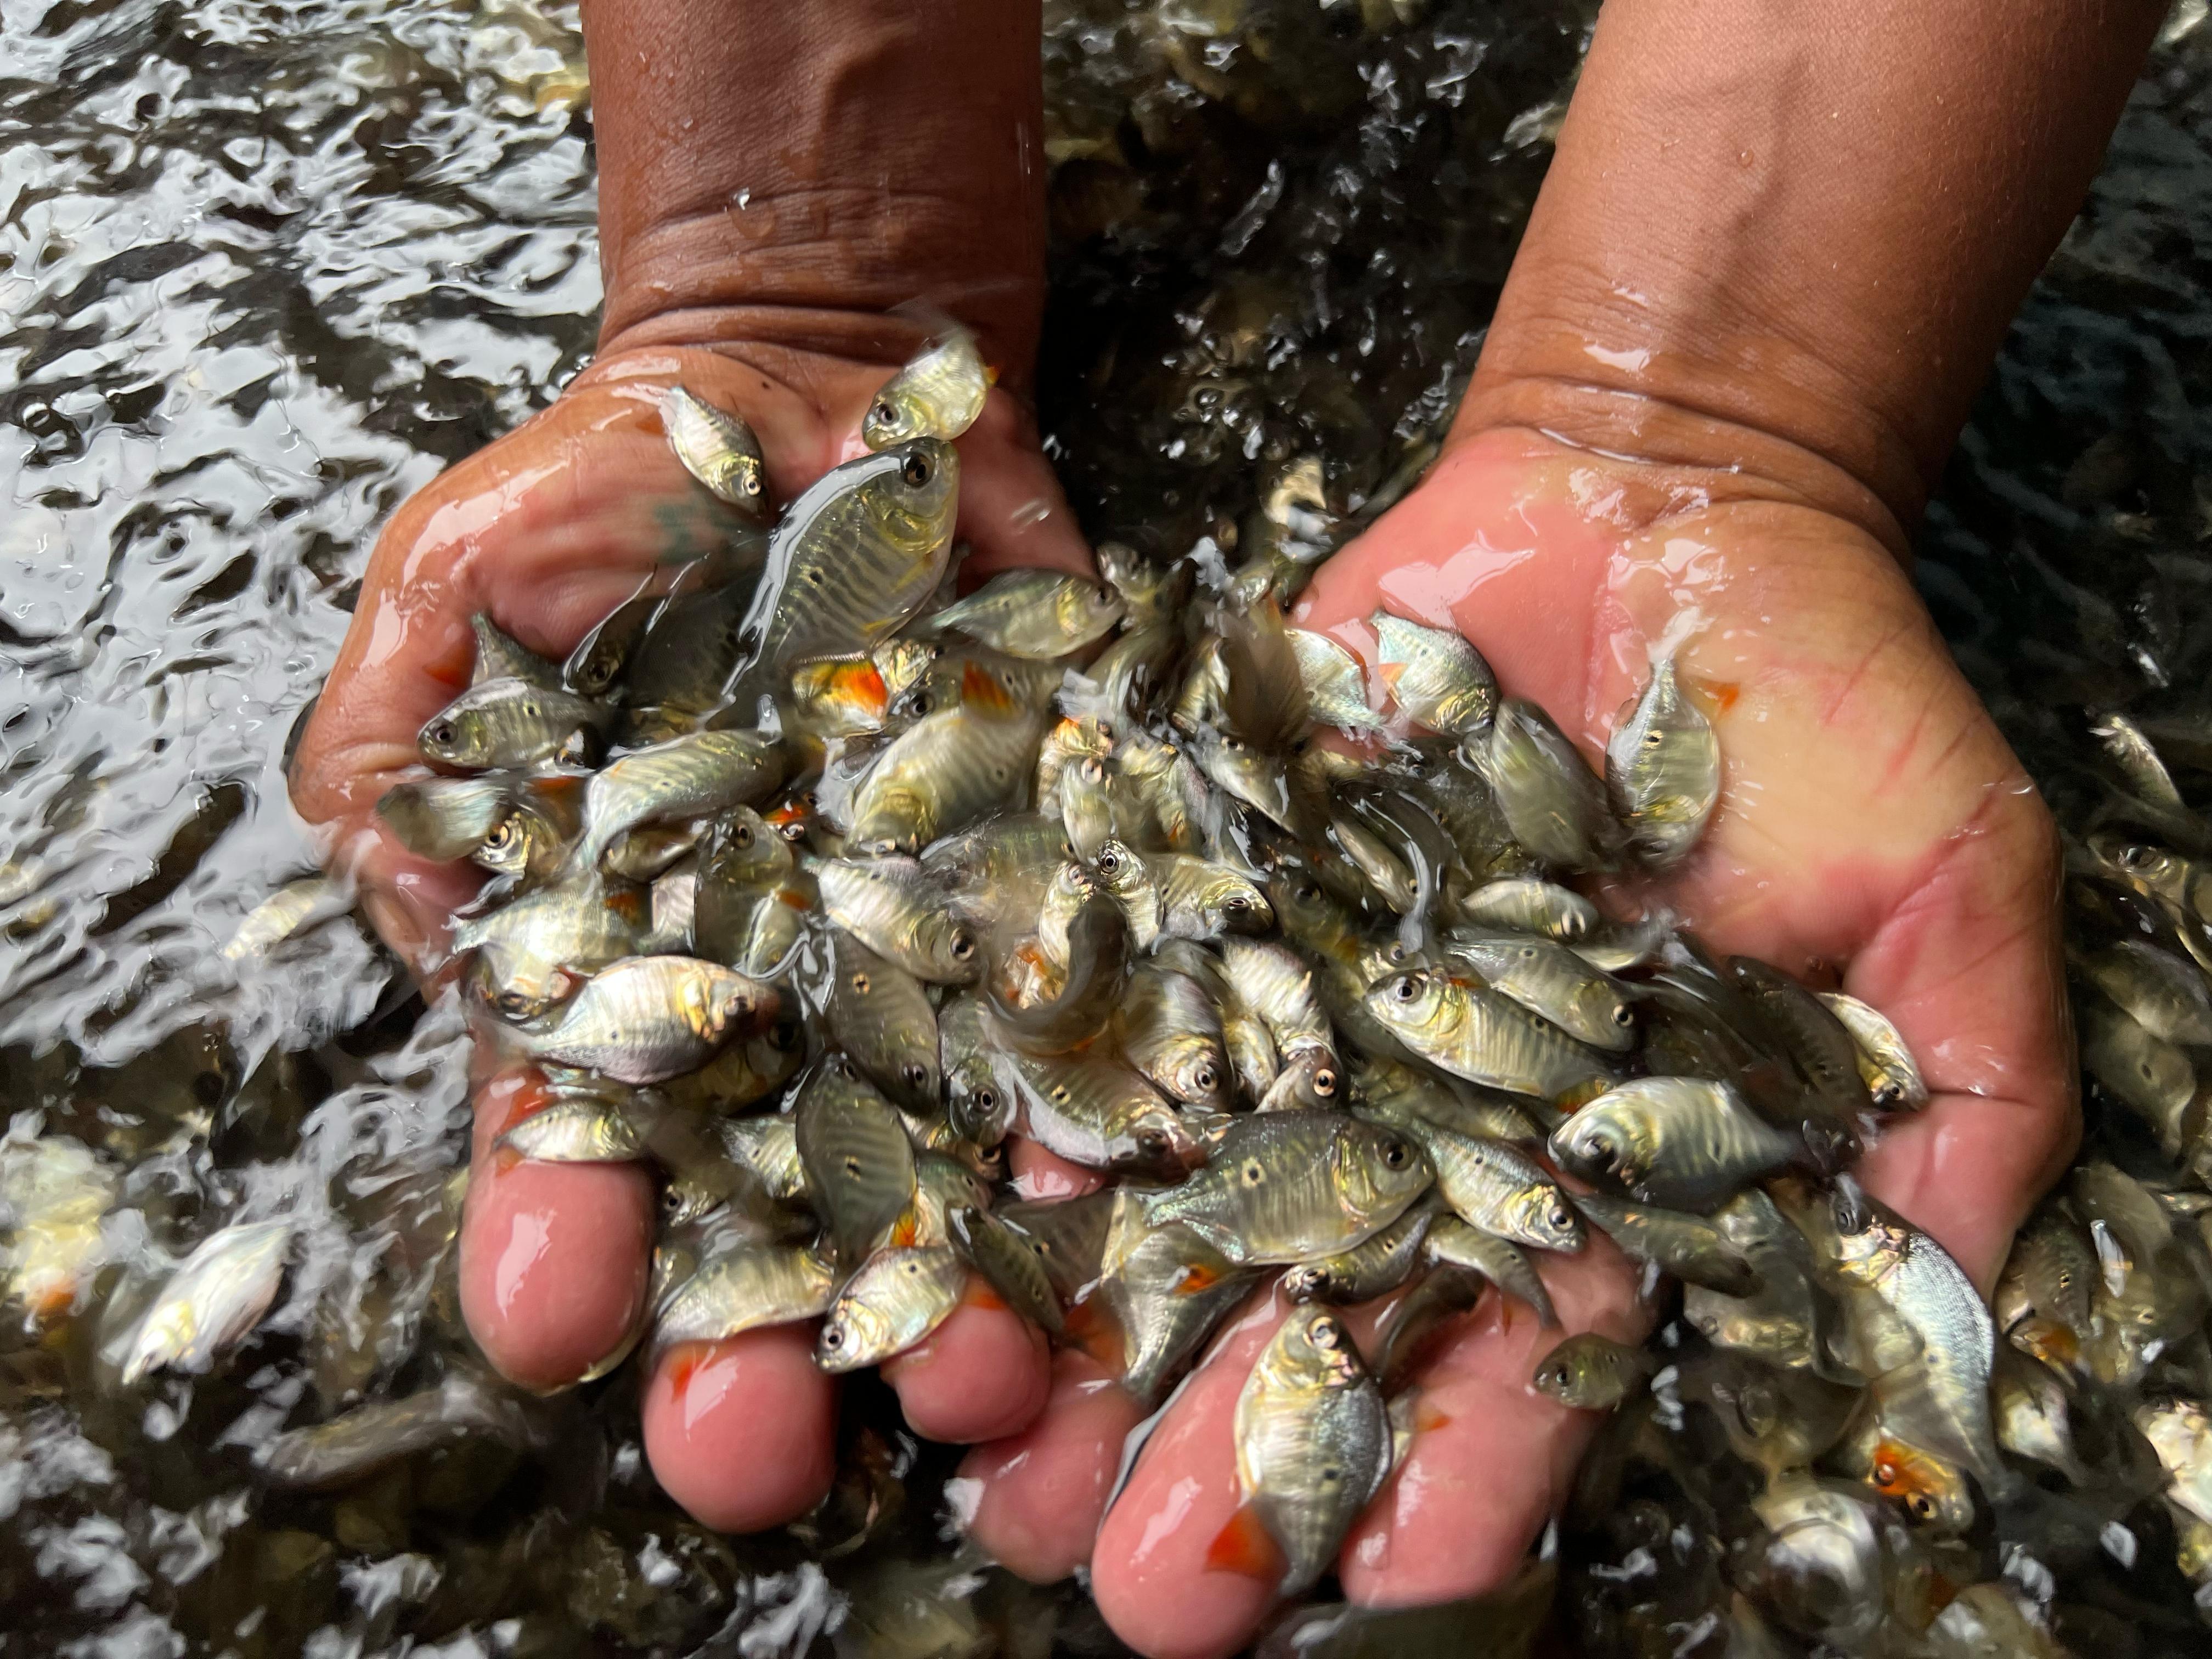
(743, 1432)
(1033, 1500)
(1149, 1571)
(1492, 1460)
(984, 1372)
(554, 1257)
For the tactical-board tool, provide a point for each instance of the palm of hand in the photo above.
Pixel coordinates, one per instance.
(1873, 821)
(547, 531)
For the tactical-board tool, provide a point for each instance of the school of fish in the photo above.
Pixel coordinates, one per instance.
(811, 881)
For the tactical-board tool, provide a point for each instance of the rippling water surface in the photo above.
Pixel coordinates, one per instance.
(264, 268)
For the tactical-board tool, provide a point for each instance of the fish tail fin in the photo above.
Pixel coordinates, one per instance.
(1090, 1327)
(1246, 1547)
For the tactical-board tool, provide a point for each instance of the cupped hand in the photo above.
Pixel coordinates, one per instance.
(547, 531)
(1874, 829)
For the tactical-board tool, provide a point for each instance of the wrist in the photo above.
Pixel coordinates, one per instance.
(1703, 443)
(792, 174)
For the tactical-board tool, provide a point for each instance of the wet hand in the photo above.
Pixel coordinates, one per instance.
(1874, 830)
(547, 531)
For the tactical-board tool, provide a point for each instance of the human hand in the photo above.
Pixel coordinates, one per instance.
(1873, 825)
(547, 531)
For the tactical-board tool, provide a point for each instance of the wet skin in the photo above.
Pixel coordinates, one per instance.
(1872, 824)
(548, 530)
(1874, 830)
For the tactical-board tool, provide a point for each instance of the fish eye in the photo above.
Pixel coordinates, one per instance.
(1394, 1154)
(1624, 1016)
(915, 1073)
(1236, 905)
(1308, 890)
(1324, 1082)
(988, 1098)
(752, 486)
(964, 944)
(1889, 1095)
(442, 732)
(1395, 953)
(795, 832)
(1203, 1078)
(860, 983)
(1110, 862)
(1561, 1216)
(919, 701)
(883, 412)
(916, 471)
(1922, 1505)
(1884, 1473)
(842, 1064)
(2134, 857)
(1152, 1141)
(1404, 988)
(743, 835)
(833, 1338)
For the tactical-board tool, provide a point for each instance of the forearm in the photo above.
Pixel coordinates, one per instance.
(790, 171)
(1794, 235)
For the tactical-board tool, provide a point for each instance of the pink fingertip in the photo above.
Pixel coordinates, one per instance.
(743, 1432)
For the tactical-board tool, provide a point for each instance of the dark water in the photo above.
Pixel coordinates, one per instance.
(264, 268)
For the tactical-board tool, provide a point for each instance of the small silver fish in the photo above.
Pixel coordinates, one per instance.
(881, 1015)
(1435, 676)
(744, 1288)
(1663, 770)
(1591, 1372)
(1483, 1036)
(860, 1164)
(511, 723)
(281, 915)
(1452, 1243)
(579, 1129)
(212, 1302)
(685, 777)
(1554, 804)
(938, 394)
(1886, 1063)
(1549, 980)
(1313, 1446)
(718, 449)
(1685, 1143)
(897, 1299)
(445, 818)
(891, 906)
(1285, 1187)
(1336, 684)
(648, 1018)
(1038, 614)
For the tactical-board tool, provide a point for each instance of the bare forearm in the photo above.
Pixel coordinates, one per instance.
(1803, 228)
(812, 162)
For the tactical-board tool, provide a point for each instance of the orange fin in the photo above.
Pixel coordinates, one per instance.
(1428, 1418)
(981, 688)
(1091, 1328)
(1196, 1279)
(1247, 1547)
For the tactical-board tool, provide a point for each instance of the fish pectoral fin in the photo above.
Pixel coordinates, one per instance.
(1091, 1327)
(1246, 1547)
